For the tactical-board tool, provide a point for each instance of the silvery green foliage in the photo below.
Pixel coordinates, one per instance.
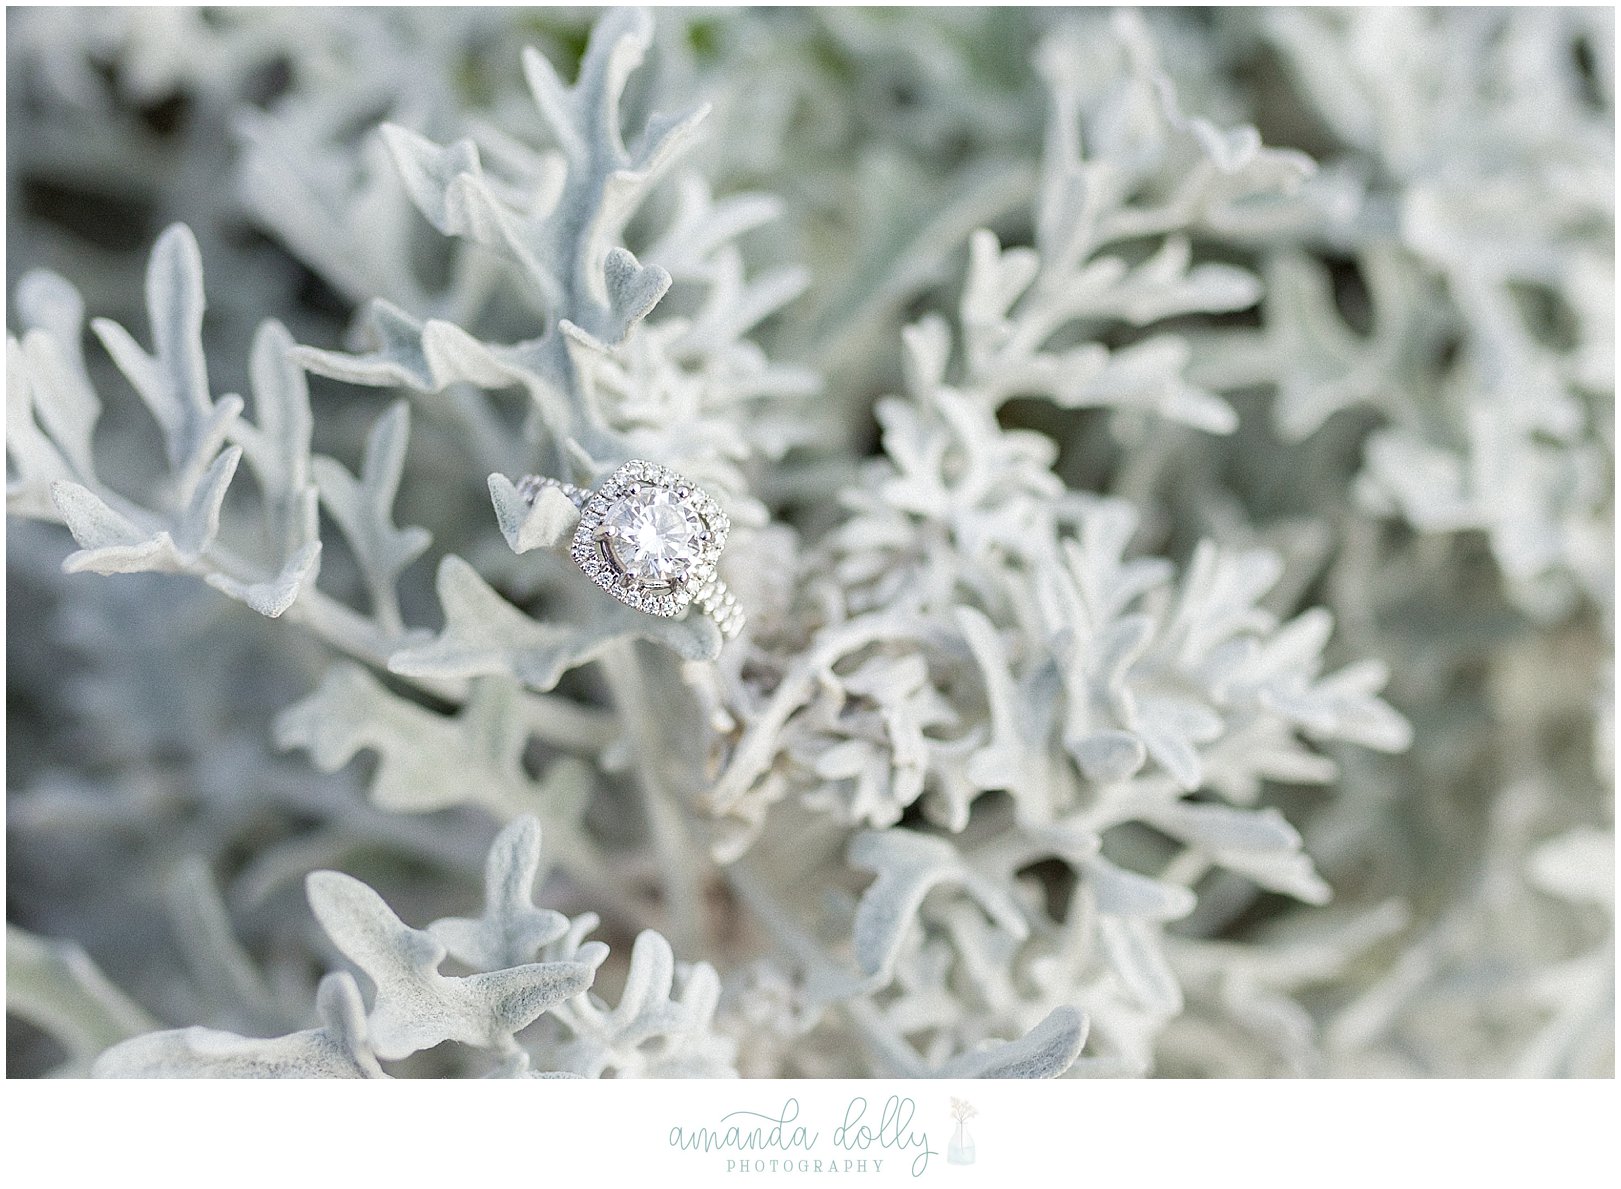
(53, 416)
(1009, 776)
(1116, 693)
(1484, 351)
(55, 986)
(414, 1006)
(1486, 244)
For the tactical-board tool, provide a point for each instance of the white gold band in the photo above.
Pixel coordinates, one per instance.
(530, 487)
(714, 598)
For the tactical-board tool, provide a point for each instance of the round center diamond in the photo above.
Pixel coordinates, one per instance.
(653, 537)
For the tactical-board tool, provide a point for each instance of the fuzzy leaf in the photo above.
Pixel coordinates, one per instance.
(485, 634)
(56, 987)
(428, 761)
(51, 409)
(1125, 893)
(547, 523)
(909, 866)
(173, 381)
(1046, 1051)
(512, 930)
(663, 1024)
(338, 1049)
(364, 510)
(415, 1007)
(277, 448)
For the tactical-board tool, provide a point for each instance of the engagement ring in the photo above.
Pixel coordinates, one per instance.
(651, 539)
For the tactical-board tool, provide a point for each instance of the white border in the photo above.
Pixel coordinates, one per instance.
(1139, 1133)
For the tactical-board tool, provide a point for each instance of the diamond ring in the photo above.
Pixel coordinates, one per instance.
(650, 538)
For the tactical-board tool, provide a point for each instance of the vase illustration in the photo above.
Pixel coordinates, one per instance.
(961, 1148)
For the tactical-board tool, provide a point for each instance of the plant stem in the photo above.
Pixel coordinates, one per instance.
(682, 864)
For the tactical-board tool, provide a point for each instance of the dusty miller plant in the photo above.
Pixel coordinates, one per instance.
(1099, 466)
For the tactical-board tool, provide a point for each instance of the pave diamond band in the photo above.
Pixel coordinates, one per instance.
(530, 487)
(715, 598)
(651, 538)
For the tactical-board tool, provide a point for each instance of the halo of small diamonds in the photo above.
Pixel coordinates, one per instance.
(619, 545)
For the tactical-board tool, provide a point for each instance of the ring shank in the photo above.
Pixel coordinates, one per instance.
(716, 599)
(530, 487)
